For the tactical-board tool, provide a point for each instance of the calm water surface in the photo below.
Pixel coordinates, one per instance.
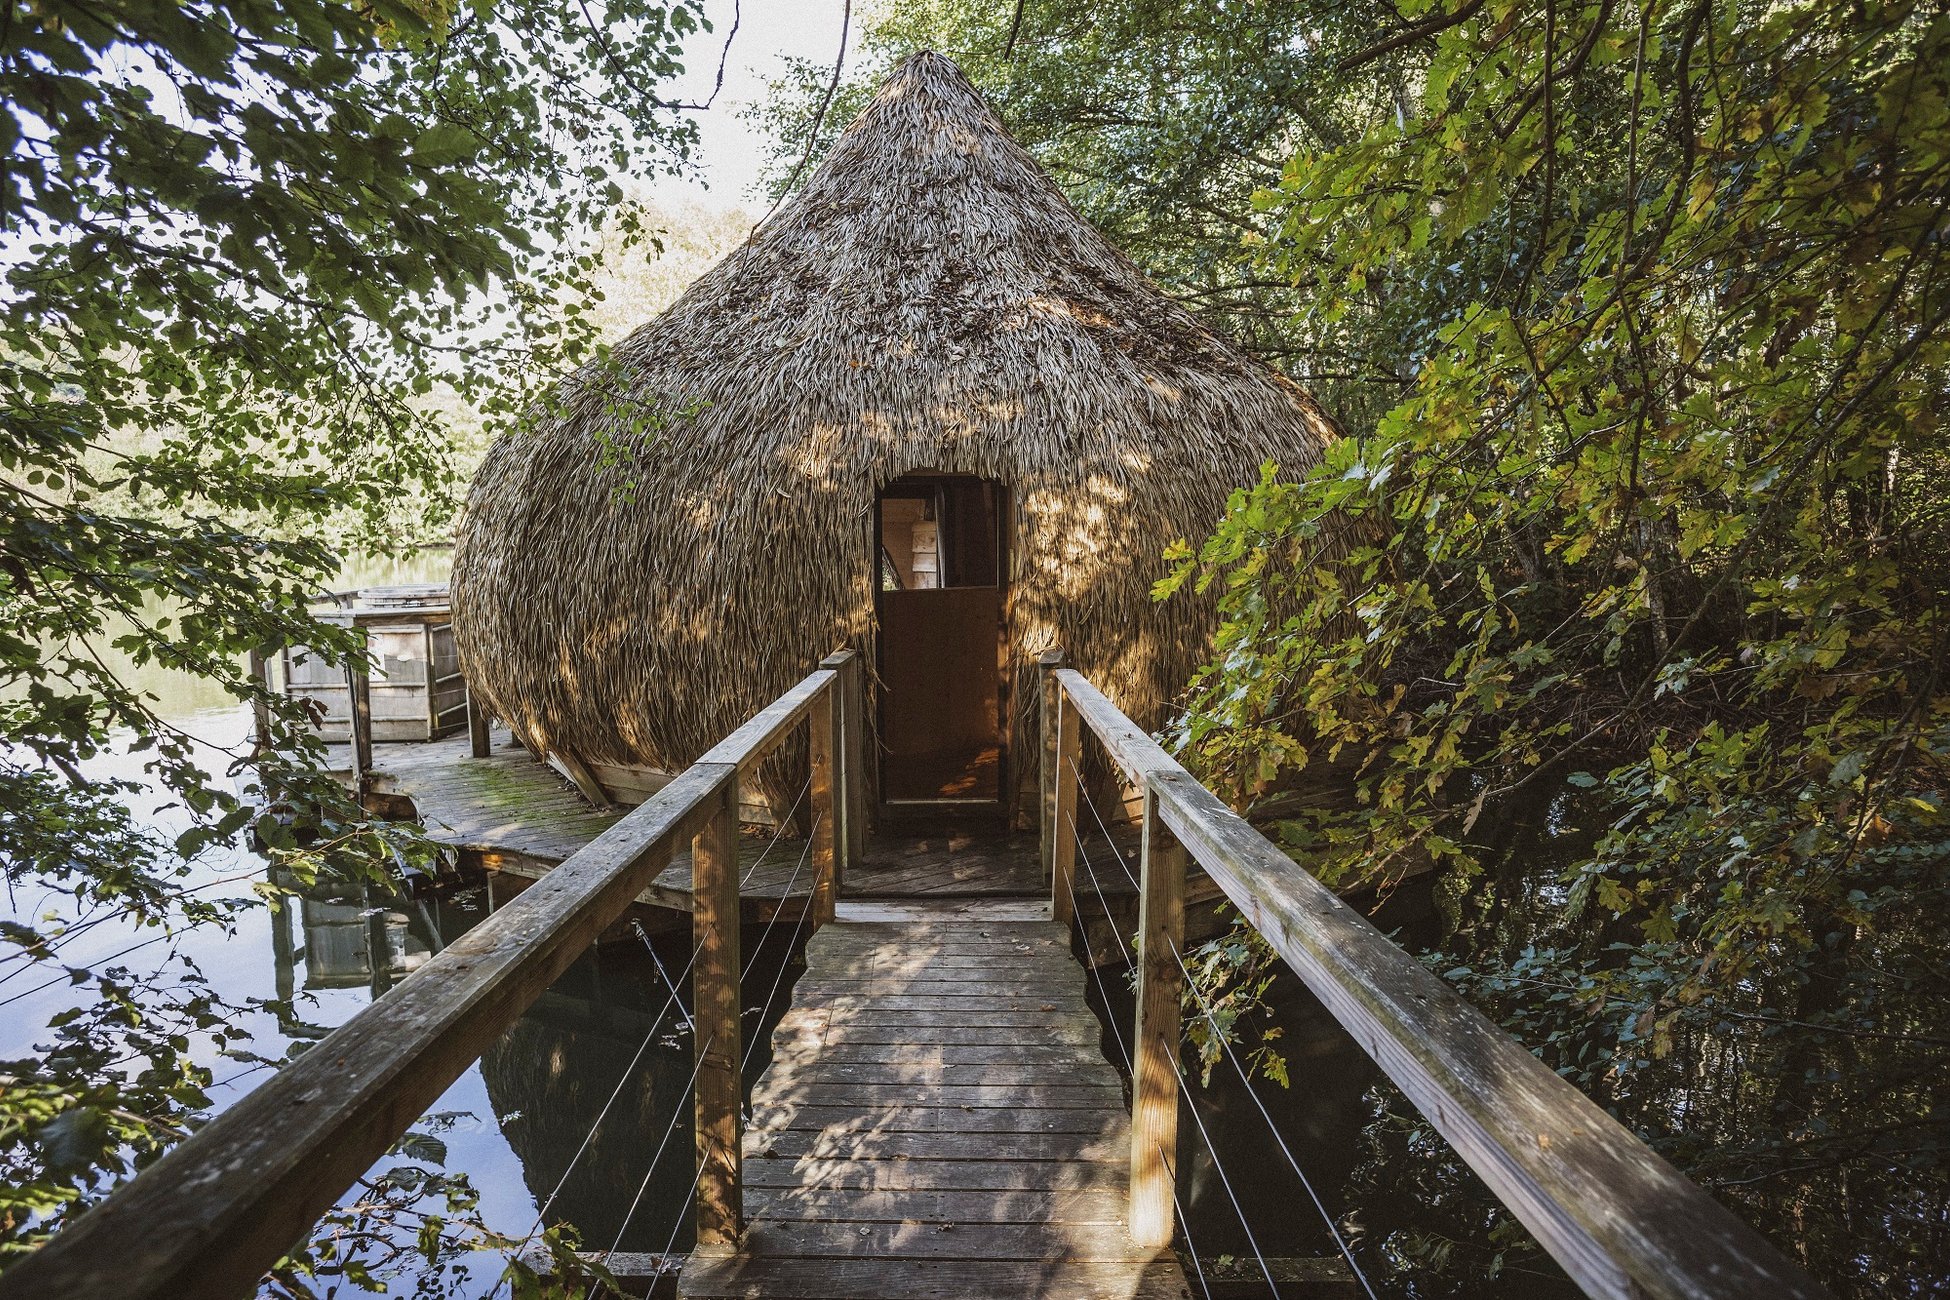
(513, 1121)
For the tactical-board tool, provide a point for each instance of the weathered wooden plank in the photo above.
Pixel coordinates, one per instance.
(991, 986)
(1108, 1242)
(1129, 746)
(824, 745)
(1003, 1055)
(1062, 864)
(1620, 1220)
(885, 1279)
(1077, 1205)
(1154, 1067)
(915, 1070)
(765, 730)
(1089, 1096)
(777, 1116)
(841, 1003)
(479, 739)
(900, 1029)
(971, 1019)
(834, 1144)
(719, 1086)
(936, 1175)
(208, 1218)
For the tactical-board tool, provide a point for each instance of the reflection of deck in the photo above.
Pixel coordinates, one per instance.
(938, 1120)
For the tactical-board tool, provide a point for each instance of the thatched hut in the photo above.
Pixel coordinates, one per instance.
(925, 410)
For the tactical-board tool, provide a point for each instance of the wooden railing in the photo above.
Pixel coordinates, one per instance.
(1619, 1219)
(210, 1217)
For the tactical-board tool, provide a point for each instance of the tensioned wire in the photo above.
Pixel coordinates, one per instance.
(1118, 1034)
(1245, 1081)
(745, 1060)
(1192, 984)
(656, 1026)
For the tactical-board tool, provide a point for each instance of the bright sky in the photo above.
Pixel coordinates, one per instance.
(731, 147)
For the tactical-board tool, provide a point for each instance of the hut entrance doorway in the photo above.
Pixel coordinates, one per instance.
(941, 560)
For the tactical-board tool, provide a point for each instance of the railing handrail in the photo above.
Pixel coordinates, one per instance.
(1620, 1220)
(213, 1214)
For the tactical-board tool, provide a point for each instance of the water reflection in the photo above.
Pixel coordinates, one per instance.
(595, 1074)
(514, 1120)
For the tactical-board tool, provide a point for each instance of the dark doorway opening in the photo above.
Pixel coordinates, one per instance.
(941, 557)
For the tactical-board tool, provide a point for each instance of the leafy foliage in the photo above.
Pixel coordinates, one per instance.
(1653, 545)
(245, 243)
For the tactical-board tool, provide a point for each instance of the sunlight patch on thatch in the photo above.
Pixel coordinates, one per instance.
(628, 586)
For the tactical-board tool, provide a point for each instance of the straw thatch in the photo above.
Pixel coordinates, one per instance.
(688, 529)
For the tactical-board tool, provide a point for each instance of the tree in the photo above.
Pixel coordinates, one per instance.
(1655, 587)
(1160, 121)
(242, 238)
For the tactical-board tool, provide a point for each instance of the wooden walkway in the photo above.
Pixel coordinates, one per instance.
(938, 1120)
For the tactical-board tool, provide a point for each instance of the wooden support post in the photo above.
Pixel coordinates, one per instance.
(859, 730)
(477, 724)
(715, 1016)
(824, 745)
(1069, 783)
(849, 764)
(1154, 1068)
(358, 677)
(260, 672)
(1049, 661)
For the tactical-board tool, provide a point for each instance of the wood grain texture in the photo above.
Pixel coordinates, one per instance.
(1154, 1047)
(208, 1218)
(1619, 1219)
(926, 1129)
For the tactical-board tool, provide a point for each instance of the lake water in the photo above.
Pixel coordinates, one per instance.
(514, 1120)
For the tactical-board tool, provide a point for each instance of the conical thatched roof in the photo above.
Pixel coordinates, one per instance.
(690, 528)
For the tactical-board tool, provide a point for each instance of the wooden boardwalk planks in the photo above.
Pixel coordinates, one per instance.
(938, 1120)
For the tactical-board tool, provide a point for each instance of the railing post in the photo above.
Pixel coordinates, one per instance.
(1056, 833)
(358, 680)
(849, 770)
(477, 723)
(824, 745)
(260, 674)
(1154, 1062)
(715, 1015)
(1069, 783)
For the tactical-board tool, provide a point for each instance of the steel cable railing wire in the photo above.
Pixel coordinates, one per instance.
(1218, 1166)
(629, 1072)
(1117, 1034)
(677, 1225)
(656, 1025)
(779, 979)
(662, 1144)
(1109, 839)
(1245, 1081)
(1184, 1087)
(1102, 991)
(1184, 1224)
(777, 835)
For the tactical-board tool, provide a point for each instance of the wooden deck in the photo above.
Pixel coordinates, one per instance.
(509, 813)
(514, 814)
(938, 1120)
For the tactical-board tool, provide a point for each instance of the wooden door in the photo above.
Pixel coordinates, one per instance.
(941, 624)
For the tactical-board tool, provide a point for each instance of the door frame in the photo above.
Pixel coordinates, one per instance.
(1003, 507)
